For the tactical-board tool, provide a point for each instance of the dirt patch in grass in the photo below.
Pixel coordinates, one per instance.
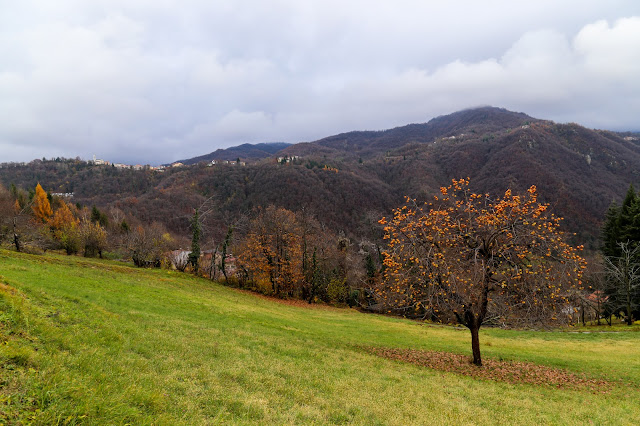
(516, 372)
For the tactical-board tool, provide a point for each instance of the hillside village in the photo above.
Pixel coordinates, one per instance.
(161, 168)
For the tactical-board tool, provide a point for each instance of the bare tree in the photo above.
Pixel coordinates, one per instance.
(117, 216)
(624, 273)
(146, 245)
(15, 218)
(179, 259)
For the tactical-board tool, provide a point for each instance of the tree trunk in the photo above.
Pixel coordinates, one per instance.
(629, 319)
(473, 321)
(16, 237)
(312, 293)
(473, 324)
(475, 344)
(223, 265)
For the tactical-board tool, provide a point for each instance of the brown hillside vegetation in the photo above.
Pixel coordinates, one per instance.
(347, 178)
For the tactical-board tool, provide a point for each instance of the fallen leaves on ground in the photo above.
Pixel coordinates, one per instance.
(516, 372)
(289, 302)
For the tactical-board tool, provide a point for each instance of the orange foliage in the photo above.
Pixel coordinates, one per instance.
(41, 206)
(467, 258)
(62, 217)
(272, 252)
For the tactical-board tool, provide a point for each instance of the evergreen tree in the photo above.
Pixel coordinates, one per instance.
(611, 231)
(196, 229)
(370, 267)
(19, 196)
(99, 217)
(316, 278)
(629, 218)
(95, 214)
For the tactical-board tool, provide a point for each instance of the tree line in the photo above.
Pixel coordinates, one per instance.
(272, 250)
(35, 221)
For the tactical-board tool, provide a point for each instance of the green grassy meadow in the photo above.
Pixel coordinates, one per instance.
(98, 342)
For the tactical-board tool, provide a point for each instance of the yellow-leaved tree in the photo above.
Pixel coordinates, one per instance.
(64, 226)
(468, 258)
(41, 206)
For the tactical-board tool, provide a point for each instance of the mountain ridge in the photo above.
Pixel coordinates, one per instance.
(244, 151)
(373, 142)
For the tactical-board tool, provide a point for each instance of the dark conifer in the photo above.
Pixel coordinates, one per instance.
(629, 218)
(611, 231)
(196, 229)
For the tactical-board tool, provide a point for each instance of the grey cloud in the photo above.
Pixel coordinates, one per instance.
(143, 81)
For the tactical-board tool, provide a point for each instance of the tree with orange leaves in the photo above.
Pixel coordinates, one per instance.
(62, 217)
(65, 228)
(41, 206)
(272, 252)
(470, 259)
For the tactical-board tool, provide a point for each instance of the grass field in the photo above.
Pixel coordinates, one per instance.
(98, 342)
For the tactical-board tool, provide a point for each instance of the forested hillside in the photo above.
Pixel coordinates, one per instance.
(347, 179)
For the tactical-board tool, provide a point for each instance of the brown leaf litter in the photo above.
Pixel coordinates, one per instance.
(514, 372)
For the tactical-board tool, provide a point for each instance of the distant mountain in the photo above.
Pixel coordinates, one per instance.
(244, 152)
(367, 144)
(348, 179)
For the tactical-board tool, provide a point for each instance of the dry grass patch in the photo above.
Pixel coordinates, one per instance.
(289, 302)
(515, 372)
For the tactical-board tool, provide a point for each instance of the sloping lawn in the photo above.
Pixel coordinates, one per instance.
(98, 342)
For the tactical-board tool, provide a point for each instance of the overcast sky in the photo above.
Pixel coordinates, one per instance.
(153, 81)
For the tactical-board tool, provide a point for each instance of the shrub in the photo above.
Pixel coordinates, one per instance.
(338, 290)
